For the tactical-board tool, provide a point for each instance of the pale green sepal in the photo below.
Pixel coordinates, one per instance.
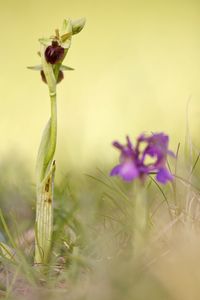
(65, 37)
(35, 68)
(66, 68)
(64, 26)
(39, 68)
(77, 25)
(66, 44)
(66, 34)
(66, 29)
(45, 41)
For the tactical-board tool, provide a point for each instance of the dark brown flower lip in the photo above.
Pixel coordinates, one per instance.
(59, 79)
(54, 53)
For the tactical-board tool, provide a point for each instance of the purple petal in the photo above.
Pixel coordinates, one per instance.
(129, 144)
(126, 170)
(159, 138)
(115, 170)
(163, 176)
(118, 145)
(171, 153)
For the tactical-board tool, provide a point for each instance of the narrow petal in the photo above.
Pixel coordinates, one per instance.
(129, 144)
(118, 145)
(163, 176)
(115, 171)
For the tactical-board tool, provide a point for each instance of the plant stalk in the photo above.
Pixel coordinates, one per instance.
(140, 219)
(45, 172)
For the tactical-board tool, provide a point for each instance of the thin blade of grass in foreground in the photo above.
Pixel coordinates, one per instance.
(19, 256)
(195, 164)
(164, 196)
(160, 189)
(188, 183)
(174, 183)
(115, 203)
(113, 187)
(13, 282)
(113, 183)
(7, 231)
(7, 253)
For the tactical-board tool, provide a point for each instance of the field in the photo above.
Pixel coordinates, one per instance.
(109, 208)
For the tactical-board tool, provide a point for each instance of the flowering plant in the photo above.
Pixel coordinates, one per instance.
(148, 156)
(53, 51)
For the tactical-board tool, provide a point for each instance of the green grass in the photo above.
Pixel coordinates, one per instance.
(93, 241)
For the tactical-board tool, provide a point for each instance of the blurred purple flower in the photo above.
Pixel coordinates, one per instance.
(148, 156)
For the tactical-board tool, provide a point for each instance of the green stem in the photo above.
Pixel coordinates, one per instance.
(45, 171)
(140, 219)
(53, 132)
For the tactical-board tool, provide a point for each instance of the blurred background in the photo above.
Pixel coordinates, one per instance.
(136, 65)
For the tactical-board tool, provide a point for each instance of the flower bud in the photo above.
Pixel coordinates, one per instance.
(54, 53)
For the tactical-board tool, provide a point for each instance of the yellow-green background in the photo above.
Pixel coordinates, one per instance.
(137, 63)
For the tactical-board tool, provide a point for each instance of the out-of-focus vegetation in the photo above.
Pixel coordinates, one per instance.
(93, 248)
